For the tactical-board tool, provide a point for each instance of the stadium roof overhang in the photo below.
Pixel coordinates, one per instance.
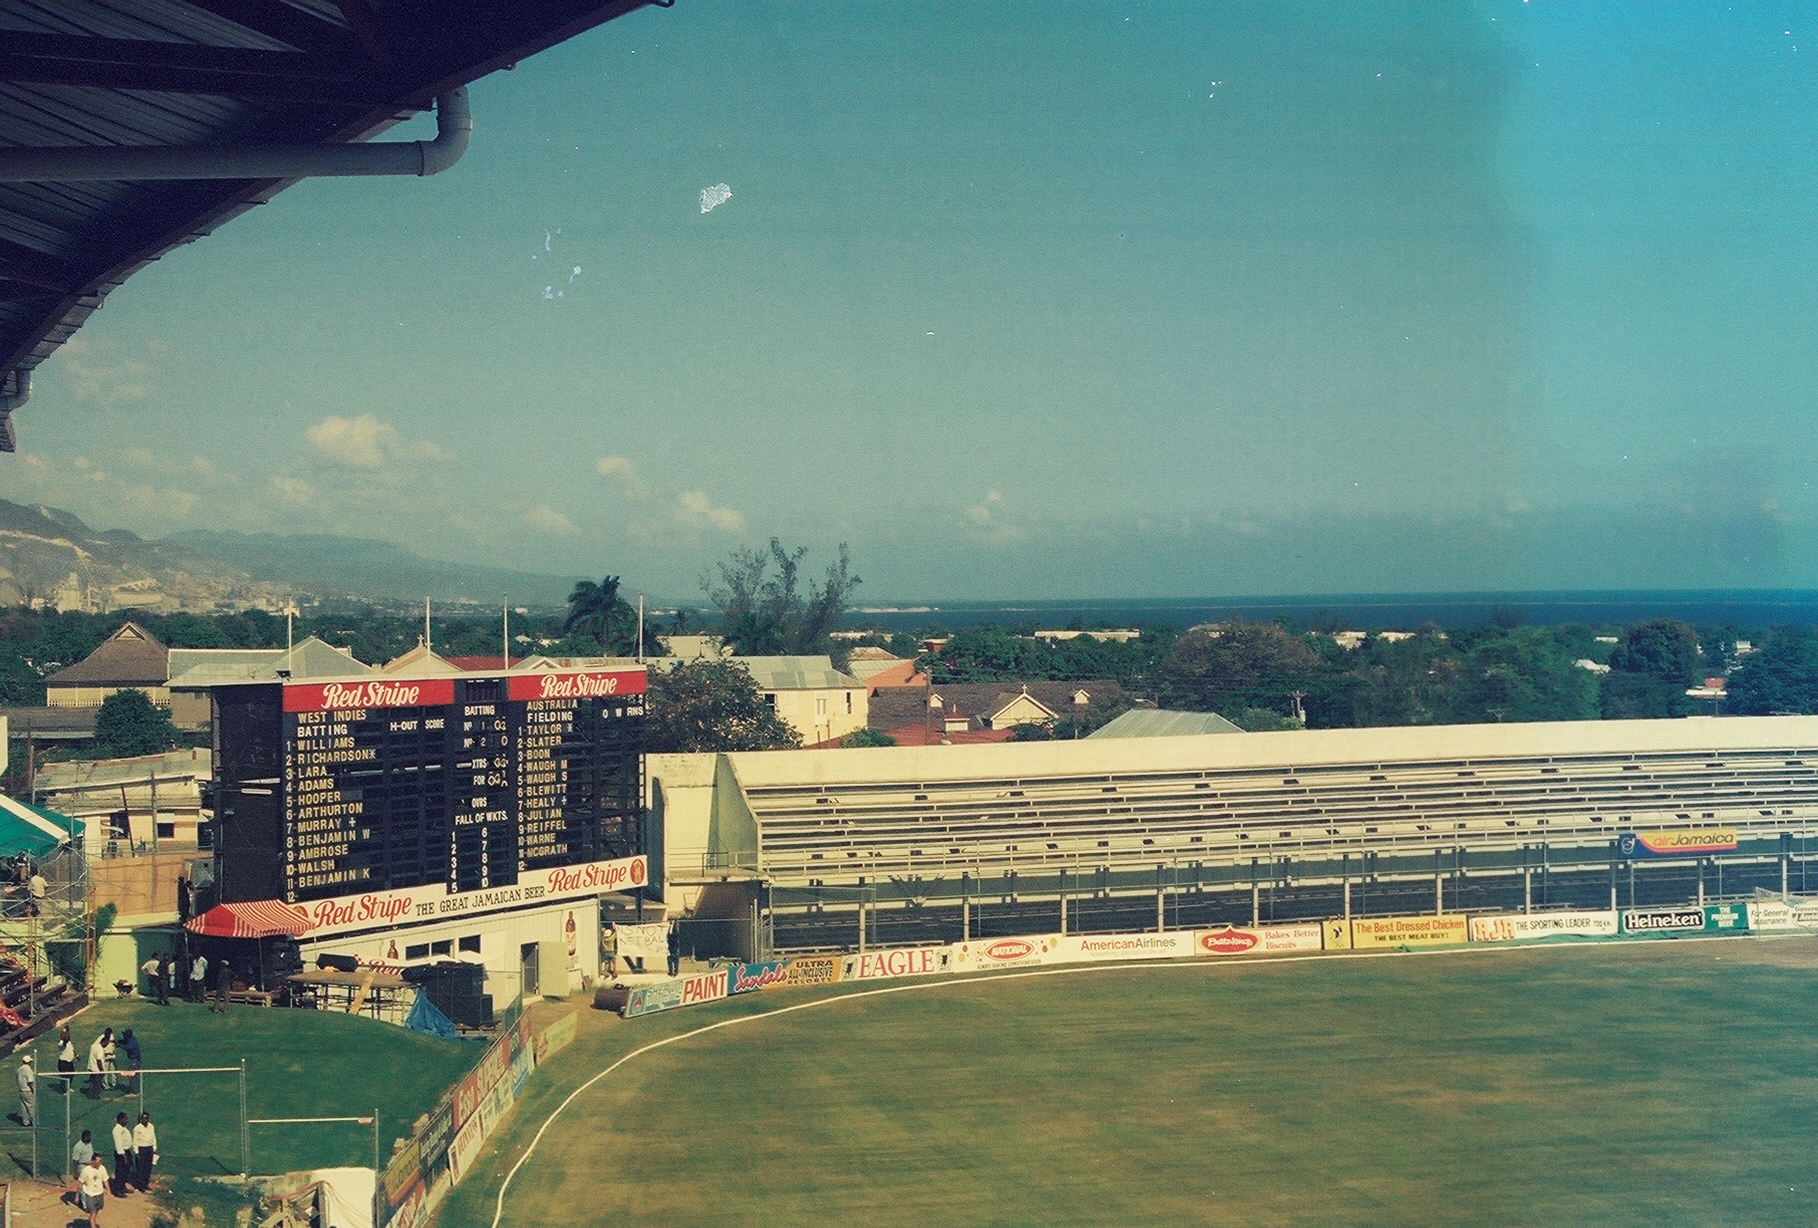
(194, 76)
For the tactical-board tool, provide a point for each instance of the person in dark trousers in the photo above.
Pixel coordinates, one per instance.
(135, 1060)
(66, 1056)
(123, 1155)
(183, 900)
(145, 1149)
(161, 981)
(675, 949)
(224, 984)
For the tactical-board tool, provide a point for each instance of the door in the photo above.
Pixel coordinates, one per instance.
(528, 975)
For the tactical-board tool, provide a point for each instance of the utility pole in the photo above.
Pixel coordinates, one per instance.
(1300, 712)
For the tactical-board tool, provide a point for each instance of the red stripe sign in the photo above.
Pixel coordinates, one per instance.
(577, 686)
(377, 693)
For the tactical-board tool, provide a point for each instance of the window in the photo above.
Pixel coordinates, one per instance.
(419, 951)
(848, 703)
(471, 943)
(820, 706)
(167, 831)
(443, 947)
(770, 698)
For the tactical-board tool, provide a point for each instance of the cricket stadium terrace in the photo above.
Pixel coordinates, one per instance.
(834, 848)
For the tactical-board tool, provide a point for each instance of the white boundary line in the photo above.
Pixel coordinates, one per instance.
(1173, 965)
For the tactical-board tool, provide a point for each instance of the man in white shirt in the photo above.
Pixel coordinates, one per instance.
(91, 1182)
(123, 1155)
(97, 1062)
(198, 978)
(145, 1147)
(83, 1151)
(28, 1091)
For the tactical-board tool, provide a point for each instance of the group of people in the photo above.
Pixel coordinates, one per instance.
(135, 1153)
(104, 1057)
(166, 974)
(26, 886)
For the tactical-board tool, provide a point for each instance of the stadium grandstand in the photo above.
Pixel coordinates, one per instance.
(815, 849)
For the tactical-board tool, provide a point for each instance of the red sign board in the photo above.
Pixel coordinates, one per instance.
(376, 693)
(577, 686)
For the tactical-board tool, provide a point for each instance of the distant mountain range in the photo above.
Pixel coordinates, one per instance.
(364, 567)
(50, 555)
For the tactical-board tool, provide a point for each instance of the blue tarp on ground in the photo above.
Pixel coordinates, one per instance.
(33, 830)
(425, 1018)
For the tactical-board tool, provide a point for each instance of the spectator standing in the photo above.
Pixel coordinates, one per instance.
(95, 1061)
(609, 951)
(150, 969)
(145, 1149)
(109, 1060)
(28, 1091)
(198, 977)
(675, 949)
(224, 984)
(83, 1151)
(91, 1184)
(183, 899)
(135, 1060)
(66, 1057)
(123, 1155)
(39, 889)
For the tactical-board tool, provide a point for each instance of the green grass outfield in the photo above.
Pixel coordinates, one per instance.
(299, 1064)
(1660, 1083)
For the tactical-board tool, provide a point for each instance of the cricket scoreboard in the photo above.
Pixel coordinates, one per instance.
(462, 784)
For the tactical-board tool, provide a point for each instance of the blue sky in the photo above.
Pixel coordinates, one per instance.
(1025, 300)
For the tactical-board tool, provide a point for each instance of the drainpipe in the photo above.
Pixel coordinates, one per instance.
(78, 163)
(15, 390)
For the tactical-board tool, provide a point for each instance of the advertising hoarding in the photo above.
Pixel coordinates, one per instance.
(1695, 842)
(880, 965)
(1688, 920)
(1260, 940)
(982, 954)
(1530, 927)
(1375, 933)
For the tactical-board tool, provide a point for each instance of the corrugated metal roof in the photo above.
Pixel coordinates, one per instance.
(797, 673)
(128, 657)
(1156, 723)
(198, 668)
(200, 72)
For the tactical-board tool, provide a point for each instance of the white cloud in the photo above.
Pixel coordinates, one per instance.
(697, 509)
(549, 520)
(293, 492)
(367, 443)
(980, 513)
(625, 472)
(715, 196)
(98, 373)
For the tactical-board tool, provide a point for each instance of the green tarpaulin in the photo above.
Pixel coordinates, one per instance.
(32, 830)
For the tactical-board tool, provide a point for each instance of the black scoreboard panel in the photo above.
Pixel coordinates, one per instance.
(457, 782)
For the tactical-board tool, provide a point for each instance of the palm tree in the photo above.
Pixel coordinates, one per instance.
(595, 609)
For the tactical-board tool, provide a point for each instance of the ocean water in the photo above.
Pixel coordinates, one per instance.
(1745, 609)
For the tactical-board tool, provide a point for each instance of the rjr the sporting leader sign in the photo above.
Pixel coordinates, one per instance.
(378, 909)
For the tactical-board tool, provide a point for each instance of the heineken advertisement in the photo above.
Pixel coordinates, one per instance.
(1678, 922)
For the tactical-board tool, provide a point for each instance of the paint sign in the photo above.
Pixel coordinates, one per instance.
(814, 970)
(749, 978)
(682, 991)
(648, 999)
(1376, 933)
(984, 954)
(1532, 927)
(1697, 842)
(1092, 948)
(881, 965)
(1663, 921)
(1771, 915)
(1260, 940)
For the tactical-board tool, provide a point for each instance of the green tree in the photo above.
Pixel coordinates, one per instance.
(129, 723)
(1779, 677)
(711, 705)
(1522, 675)
(867, 737)
(1236, 666)
(764, 612)
(1650, 670)
(598, 611)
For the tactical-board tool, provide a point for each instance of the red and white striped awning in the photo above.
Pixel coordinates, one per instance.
(257, 919)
